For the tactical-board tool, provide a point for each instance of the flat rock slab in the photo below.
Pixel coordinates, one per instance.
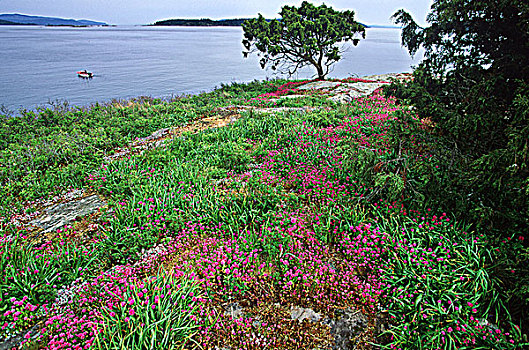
(348, 325)
(15, 341)
(154, 140)
(281, 109)
(319, 85)
(360, 88)
(389, 76)
(301, 313)
(272, 110)
(344, 92)
(349, 91)
(62, 214)
(234, 310)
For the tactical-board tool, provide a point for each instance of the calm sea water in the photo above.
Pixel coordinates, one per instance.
(38, 64)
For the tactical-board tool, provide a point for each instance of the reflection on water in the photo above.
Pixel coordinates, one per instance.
(39, 64)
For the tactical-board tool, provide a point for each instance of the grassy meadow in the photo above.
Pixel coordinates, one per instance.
(253, 203)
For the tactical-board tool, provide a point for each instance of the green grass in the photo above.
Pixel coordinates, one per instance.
(321, 208)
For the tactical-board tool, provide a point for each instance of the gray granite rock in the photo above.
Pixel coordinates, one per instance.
(388, 76)
(156, 135)
(262, 110)
(318, 85)
(349, 91)
(301, 313)
(62, 214)
(155, 140)
(344, 92)
(14, 342)
(234, 310)
(341, 98)
(348, 324)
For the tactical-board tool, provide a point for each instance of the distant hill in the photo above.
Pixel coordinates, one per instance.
(15, 18)
(7, 23)
(203, 22)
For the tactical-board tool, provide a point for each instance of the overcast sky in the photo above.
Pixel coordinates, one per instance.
(149, 11)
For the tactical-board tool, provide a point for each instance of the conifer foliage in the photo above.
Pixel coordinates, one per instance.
(306, 36)
(473, 85)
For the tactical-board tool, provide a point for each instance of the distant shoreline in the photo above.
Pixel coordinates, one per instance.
(203, 22)
(56, 25)
(20, 19)
(78, 26)
(147, 25)
(236, 22)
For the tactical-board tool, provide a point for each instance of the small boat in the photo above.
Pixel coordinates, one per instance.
(85, 74)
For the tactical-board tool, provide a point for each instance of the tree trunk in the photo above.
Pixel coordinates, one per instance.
(321, 75)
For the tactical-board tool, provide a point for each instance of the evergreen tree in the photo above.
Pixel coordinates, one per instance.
(305, 36)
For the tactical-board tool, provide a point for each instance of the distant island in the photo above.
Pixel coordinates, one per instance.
(18, 19)
(237, 22)
(7, 23)
(203, 22)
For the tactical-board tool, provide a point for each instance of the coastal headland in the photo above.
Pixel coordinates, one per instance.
(272, 212)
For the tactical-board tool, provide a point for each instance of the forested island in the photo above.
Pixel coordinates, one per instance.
(7, 23)
(203, 22)
(207, 22)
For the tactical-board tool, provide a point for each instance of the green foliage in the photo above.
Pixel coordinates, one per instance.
(305, 36)
(313, 178)
(177, 177)
(25, 274)
(46, 151)
(160, 315)
(452, 290)
(473, 88)
(472, 34)
(32, 280)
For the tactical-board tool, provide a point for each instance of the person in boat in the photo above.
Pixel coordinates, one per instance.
(85, 72)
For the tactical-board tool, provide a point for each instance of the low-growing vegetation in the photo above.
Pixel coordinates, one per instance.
(213, 237)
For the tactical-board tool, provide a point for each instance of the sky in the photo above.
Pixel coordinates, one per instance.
(149, 11)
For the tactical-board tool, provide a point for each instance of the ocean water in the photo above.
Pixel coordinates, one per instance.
(38, 64)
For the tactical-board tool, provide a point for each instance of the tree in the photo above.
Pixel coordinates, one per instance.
(493, 35)
(476, 62)
(474, 85)
(305, 36)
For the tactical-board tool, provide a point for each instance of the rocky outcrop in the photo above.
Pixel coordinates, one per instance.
(62, 214)
(344, 92)
(346, 327)
(301, 313)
